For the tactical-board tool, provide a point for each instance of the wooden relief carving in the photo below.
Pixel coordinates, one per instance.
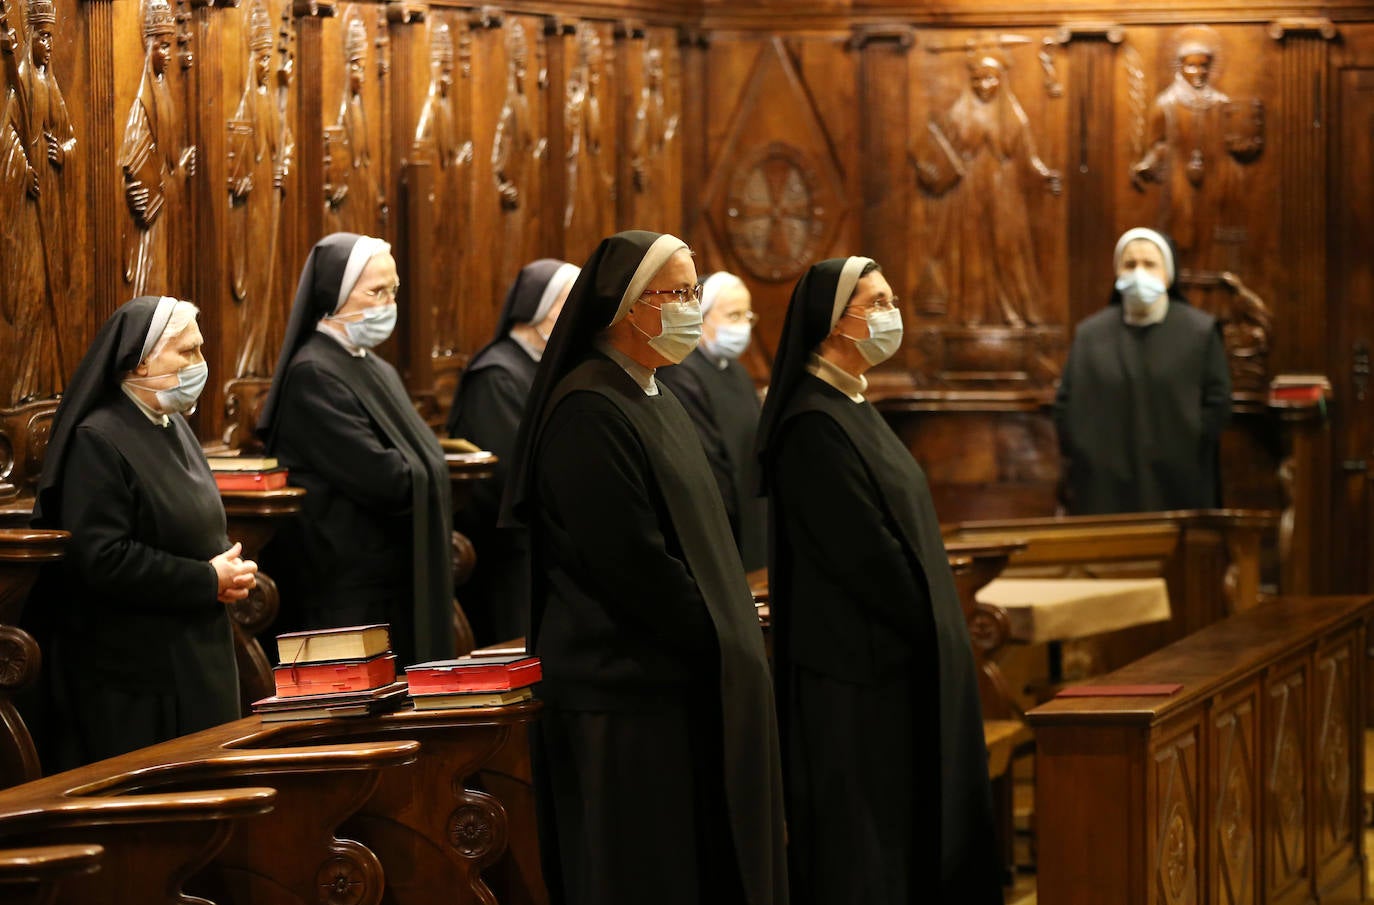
(261, 149)
(1197, 140)
(776, 214)
(1176, 852)
(654, 125)
(1234, 824)
(36, 141)
(1246, 326)
(590, 180)
(439, 134)
(983, 267)
(154, 159)
(350, 187)
(513, 151)
(1333, 748)
(1284, 783)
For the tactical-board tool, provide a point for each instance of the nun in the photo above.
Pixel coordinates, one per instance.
(657, 754)
(719, 395)
(486, 411)
(887, 780)
(1145, 393)
(373, 541)
(142, 649)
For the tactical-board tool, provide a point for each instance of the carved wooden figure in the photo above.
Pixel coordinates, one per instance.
(153, 158)
(983, 267)
(351, 190)
(260, 157)
(654, 126)
(590, 182)
(1198, 140)
(36, 139)
(512, 152)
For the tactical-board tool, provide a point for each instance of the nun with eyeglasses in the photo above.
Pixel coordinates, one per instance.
(142, 648)
(373, 541)
(486, 411)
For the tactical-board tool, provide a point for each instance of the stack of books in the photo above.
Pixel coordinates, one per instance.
(473, 681)
(1299, 388)
(247, 473)
(333, 672)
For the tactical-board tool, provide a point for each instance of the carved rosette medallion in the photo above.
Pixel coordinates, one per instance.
(477, 827)
(988, 628)
(259, 609)
(19, 659)
(1176, 854)
(351, 876)
(776, 209)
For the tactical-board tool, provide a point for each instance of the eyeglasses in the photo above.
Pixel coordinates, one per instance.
(879, 304)
(678, 295)
(379, 292)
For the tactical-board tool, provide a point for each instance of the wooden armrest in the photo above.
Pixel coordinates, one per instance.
(170, 807)
(1002, 738)
(32, 545)
(48, 862)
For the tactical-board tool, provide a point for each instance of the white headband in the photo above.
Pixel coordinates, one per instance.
(715, 284)
(364, 250)
(849, 278)
(161, 314)
(664, 247)
(1141, 232)
(564, 275)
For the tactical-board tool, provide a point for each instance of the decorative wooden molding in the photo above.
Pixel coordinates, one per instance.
(556, 25)
(487, 17)
(693, 37)
(307, 9)
(1312, 25)
(903, 36)
(1111, 32)
(630, 28)
(406, 12)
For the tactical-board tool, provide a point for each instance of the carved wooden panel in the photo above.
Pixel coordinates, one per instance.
(1177, 820)
(589, 154)
(1234, 800)
(1335, 794)
(652, 109)
(355, 67)
(1285, 764)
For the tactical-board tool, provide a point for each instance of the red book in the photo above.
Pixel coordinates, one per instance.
(1299, 393)
(293, 680)
(467, 674)
(1119, 691)
(251, 480)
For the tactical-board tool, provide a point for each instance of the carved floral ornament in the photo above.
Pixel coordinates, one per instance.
(777, 211)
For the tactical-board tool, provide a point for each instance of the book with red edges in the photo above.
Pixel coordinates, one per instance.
(373, 700)
(296, 679)
(1119, 691)
(471, 699)
(474, 674)
(349, 642)
(251, 480)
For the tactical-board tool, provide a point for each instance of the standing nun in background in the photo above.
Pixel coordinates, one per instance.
(657, 753)
(888, 795)
(719, 395)
(1145, 393)
(486, 411)
(143, 648)
(372, 544)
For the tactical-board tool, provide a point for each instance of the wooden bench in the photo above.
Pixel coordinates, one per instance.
(1242, 786)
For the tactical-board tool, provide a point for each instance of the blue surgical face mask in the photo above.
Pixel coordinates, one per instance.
(1140, 289)
(730, 342)
(191, 382)
(884, 335)
(680, 332)
(373, 328)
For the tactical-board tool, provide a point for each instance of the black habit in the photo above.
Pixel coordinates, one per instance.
(888, 793)
(1140, 412)
(143, 650)
(657, 754)
(372, 543)
(724, 407)
(486, 410)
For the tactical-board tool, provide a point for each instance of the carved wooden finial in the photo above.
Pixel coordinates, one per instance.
(902, 36)
(1318, 25)
(306, 9)
(487, 17)
(406, 12)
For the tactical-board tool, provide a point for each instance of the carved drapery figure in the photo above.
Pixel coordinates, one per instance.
(513, 151)
(974, 159)
(437, 133)
(590, 186)
(36, 142)
(152, 158)
(259, 159)
(1197, 141)
(654, 126)
(350, 188)
(1246, 328)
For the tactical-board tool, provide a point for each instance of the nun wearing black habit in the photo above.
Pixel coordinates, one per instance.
(142, 650)
(486, 410)
(656, 757)
(887, 780)
(372, 543)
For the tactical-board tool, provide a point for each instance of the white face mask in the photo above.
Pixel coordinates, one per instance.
(730, 342)
(1139, 290)
(884, 335)
(191, 382)
(373, 328)
(681, 330)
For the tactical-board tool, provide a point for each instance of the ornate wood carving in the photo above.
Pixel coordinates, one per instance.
(1235, 815)
(589, 185)
(1335, 770)
(1285, 782)
(654, 124)
(1176, 822)
(352, 195)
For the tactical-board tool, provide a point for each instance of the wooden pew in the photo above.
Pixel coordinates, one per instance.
(1244, 785)
(29, 876)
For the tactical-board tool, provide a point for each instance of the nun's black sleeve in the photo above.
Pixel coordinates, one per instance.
(831, 513)
(688, 389)
(99, 507)
(595, 483)
(1216, 388)
(487, 412)
(323, 421)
